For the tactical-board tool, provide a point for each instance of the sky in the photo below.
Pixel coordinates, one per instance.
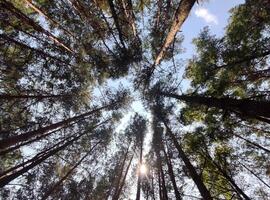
(211, 13)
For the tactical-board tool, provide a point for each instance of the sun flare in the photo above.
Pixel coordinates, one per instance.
(143, 169)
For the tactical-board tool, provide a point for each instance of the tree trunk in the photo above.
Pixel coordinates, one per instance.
(115, 18)
(252, 143)
(163, 183)
(21, 16)
(123, 180)
(153, 186)
(38, 51)
(49, 192)
(13, 140)
(119, 177)
(230, 179)
(192, 171)
(20, 169)
(11, 97)
(180, 16)
(245, 107)
(259, 178)
(159, 186)
(40, 12)
(3, 152)
(171, 174)
(138, 194)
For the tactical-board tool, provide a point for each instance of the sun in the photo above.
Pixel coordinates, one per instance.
(143, 169)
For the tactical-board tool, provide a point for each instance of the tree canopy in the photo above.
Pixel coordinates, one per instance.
(98, 102)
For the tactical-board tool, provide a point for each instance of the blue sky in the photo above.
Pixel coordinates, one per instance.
(212, 13)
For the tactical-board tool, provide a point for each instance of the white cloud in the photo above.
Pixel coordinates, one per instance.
(206, 16)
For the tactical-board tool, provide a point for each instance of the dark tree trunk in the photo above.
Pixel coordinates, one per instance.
(5, 151)
(115, 18)
(160, 186)
(192, 171)
(42, 13)
(47, 194)
(11, 97)
(138, 194)
(153, 186)
(230, 179)
(20, 169)
(25, 19)
(123, 180)
(163, 183)
(13, 140)
(171, 174)
(119, 177)
(252, 143)
(37, 51)
(245, 107)
(259, 178)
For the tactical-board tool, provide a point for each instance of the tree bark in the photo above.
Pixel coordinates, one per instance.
(248, 108)
(38, 51)
(230, 179)
(21, 16)
(180, 16)
(252, 143)
(11, 97)
(138, 194)
(163, 183)
(13, 140)
(20, 169)
(123, 180)
(171, 174)
(42, 13)
(119, 177)
(192, 171)
(259, 178)
(49, 192)
(115, 18)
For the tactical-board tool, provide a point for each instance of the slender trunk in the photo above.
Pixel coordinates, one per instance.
(20, 169)
(260, 179)
(171, 174)
(42, 13)
(180, 16)
(49, 192)
(163, 183)
(21, 16)
(230, 179)
(13, 140)
(123, 180)
(6, 178)
(245, 107)
(153, 186)
(192, 171)
(119, 177)
(115, 18)
(38, 51)
(138, 194)
(128, 9)
(159, 186)
(252, 143)
(11, 97)
(8, 150)
(244, 59)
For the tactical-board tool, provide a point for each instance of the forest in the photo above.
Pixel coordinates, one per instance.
(100, 101)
